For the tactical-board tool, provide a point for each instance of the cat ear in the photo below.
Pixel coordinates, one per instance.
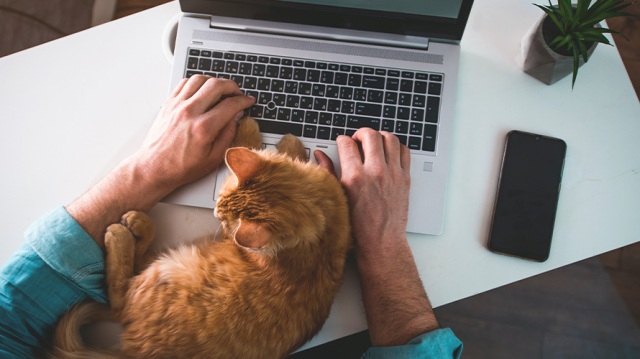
(243, 162)
(252, 235)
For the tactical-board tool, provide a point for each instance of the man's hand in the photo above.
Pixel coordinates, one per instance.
(188, 140)
(375, 174)
(193, 130)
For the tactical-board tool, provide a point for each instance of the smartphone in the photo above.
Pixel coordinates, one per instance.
(527, 196)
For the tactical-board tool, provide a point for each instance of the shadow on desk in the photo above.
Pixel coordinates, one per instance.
(590, 309)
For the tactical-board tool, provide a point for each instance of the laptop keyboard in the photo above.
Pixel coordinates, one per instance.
(322, 100)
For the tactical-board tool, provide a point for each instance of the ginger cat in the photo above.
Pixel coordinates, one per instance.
(261, 292)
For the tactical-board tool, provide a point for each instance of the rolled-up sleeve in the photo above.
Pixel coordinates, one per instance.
(437, 344)
(58, 266)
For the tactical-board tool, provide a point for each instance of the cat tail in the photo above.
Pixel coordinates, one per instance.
(67, 340)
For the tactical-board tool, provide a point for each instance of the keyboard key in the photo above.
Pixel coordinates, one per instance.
(407, 74)
(264, 98)
(340, 78)
(429, 138)
(309, 131)
(299, 74)
(354, 80)
(419, 100)
(250, 83)
(228, 56)
(393, 84)
(311, 117)
(192, 63)
(218, 65)
(286, 73)
(306, 102)
(414, 143)
(273, 71)
(239, 81)
(194, 52)
(263, 59)
(389, 112)
(310, 64)
(205, 53)
(291, 87)
(279, 99)
(417, 114)
(346, 93)
(284, 114)
(360, 94)
(332, 91)
(274, 60)
(287, 62)
(245, 68)
(345, 68)
(326, 77)
(325, 118)
(277, 85)
(404, 99)
(406, 85)
(318, 90)
(368, 109)
(304, 88)
(321, 65)
(191, 73)
(420, 87)
(435, 77)
(259, 70)
(435, 88)
(335, 132)
(293, 101)
(393, 73)
(388, 125)
(376, 82)
(375, 96)
(402, 127)
(280, 128)
(204, 64)
(339, 120)
(324, 133)
(217, 55)
(415, 128)
(360, 121)
(348, 107)
(433, 108)
(320, 104)
(369, 70)
(298, 63)
(356, 69)
(381, 72)
(241, 57)
(263, 84)
(334, 105)
(402, 138)
(404, 113)
(297, 115)
(313, 75)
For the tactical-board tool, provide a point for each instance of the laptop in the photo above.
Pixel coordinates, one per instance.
(323, 68)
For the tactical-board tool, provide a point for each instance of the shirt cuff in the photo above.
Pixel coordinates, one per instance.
(69, 250)
(437, 344)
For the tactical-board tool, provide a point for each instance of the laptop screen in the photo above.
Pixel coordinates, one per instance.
(439, 19)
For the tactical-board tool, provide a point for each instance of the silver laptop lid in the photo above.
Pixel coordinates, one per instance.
(436, 20)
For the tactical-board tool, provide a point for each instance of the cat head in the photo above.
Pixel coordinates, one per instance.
(272, 202)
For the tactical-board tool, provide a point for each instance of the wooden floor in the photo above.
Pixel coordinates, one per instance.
(590, 309)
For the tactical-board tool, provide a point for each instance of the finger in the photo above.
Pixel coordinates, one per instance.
(324, 161)
(223, 142)
(372, 145)
(212, 91)
(224, 112)
(176, 91)
(391, 148)
(192, 85)
(348, 153)
(405, 158)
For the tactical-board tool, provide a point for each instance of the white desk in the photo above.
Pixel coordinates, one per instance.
(70, 110)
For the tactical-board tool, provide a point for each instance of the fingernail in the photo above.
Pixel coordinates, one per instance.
(238, 116)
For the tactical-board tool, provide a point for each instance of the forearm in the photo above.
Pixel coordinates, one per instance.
(396, 304)
(127, 187)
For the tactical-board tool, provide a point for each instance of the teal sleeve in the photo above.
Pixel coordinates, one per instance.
(59, 266)
(437, 344)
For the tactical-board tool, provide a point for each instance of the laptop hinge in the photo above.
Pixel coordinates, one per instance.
(318, 32)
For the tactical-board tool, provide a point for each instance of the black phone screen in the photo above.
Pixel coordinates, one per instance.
(527, 198)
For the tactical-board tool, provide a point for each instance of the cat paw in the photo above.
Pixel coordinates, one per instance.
(248, 134)
(292, 147)
(118, 239)
(140, 224)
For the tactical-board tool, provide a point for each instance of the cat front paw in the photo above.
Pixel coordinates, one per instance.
(248, 134)
(139, 223)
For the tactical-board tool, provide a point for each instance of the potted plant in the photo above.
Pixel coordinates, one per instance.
(565, 37)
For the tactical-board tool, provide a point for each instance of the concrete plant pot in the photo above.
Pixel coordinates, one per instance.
(542, 62)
